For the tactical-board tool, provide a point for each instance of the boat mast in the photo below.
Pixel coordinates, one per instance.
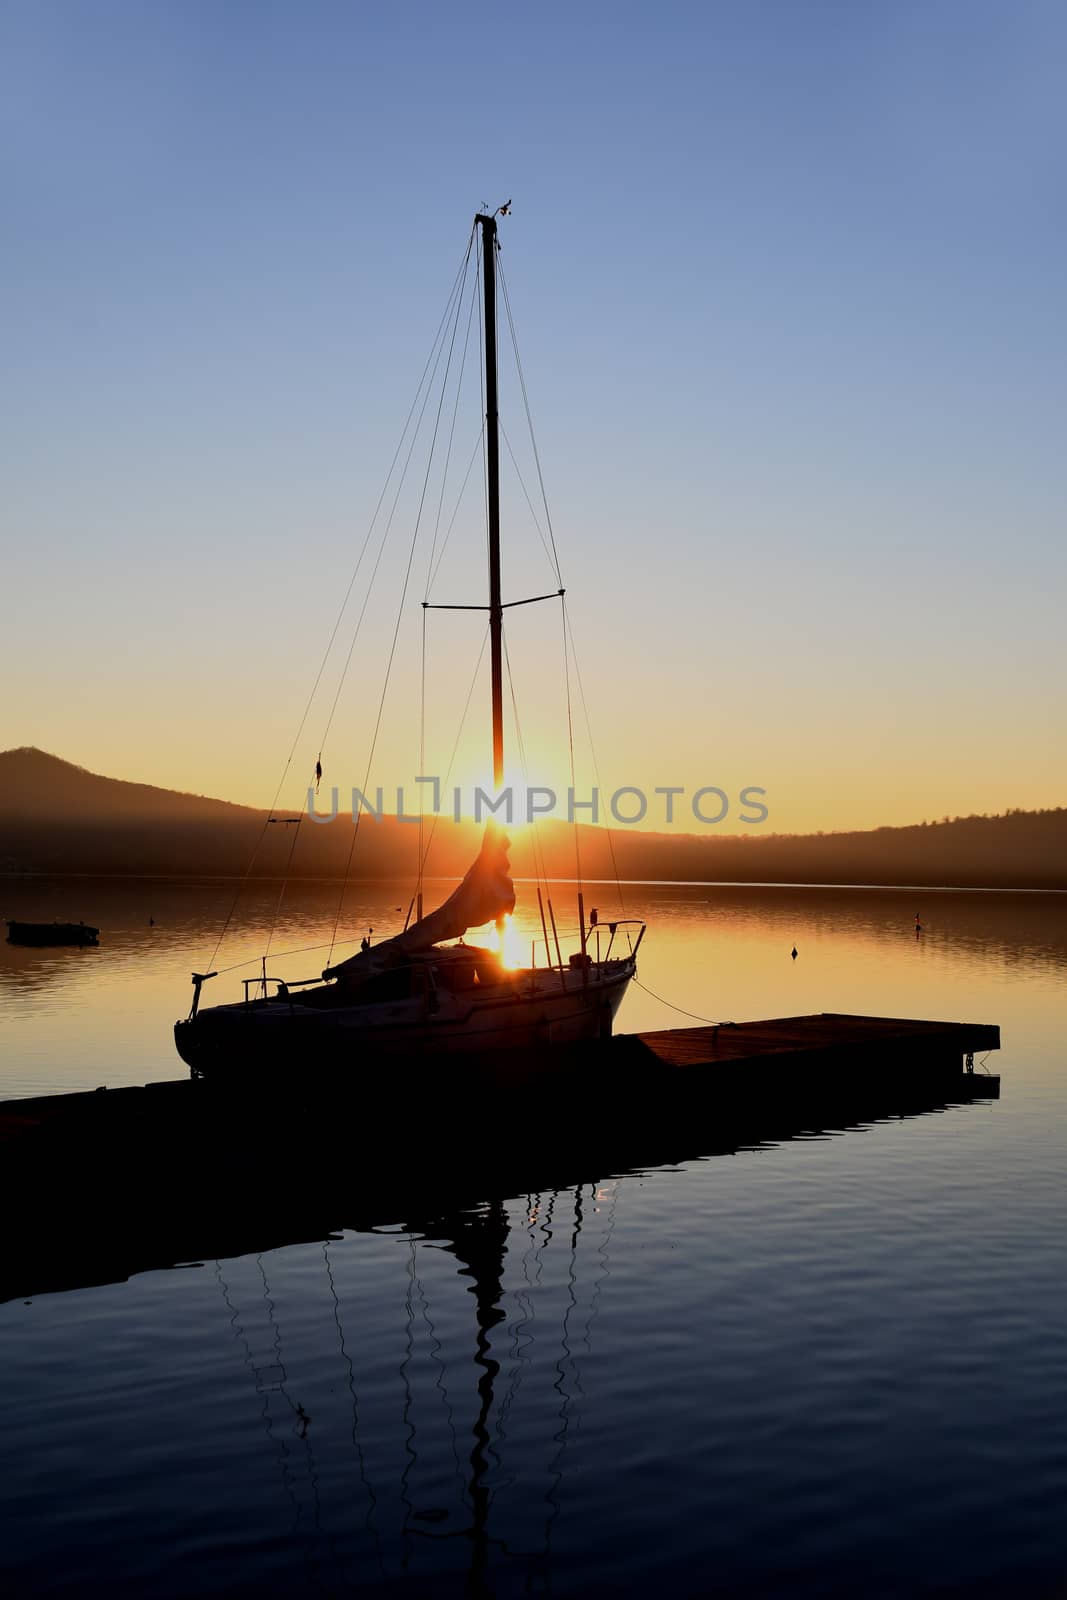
(492, 486)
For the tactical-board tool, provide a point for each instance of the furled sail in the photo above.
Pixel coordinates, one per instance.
(486, 893)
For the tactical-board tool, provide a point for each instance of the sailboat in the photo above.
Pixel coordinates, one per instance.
(426, 992)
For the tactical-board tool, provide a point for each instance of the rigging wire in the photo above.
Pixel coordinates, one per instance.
(400, 609)
(455, 747)
(567, 629)
(478, 444)
(458, 295)
(570, 740)
(450, 319)
(310, 949)
(529, 419)
(568, 632)
(536, 842)
(342, 609)
(481, 383)
(568, 635)
(281, 895)
(529, 502)
(298, 950)
(592, 752)
(429, 578)
(422, 766)
(430, 568)
(553, 555)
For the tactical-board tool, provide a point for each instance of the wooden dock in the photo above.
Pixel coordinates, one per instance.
(824, 1043)
(97, 1186)
(791, 1056)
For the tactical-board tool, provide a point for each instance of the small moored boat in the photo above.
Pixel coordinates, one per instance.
(43, 933)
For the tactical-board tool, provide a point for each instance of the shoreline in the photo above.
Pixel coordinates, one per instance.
(209, 879)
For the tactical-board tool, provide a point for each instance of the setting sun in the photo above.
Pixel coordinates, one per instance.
(509, 947)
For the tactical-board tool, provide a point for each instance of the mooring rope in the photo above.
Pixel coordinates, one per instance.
(681, 1012)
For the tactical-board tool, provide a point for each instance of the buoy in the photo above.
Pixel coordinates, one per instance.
(794, 952)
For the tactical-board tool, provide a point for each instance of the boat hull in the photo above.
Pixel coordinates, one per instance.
(52, 933)
(278, 1035)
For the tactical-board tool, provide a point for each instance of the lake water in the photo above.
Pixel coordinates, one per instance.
(831, 1365)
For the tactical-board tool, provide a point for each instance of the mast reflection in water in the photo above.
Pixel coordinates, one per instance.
(441, 1507)
(550, 1393)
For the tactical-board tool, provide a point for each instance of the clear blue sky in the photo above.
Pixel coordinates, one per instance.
(789, 282)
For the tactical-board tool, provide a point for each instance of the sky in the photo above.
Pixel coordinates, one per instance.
(788, 286)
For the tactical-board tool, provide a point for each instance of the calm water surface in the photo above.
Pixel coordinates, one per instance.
(834, 1365)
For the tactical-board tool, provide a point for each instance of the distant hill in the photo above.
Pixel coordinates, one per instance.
(36, 784)
(1020, 850)
(58, 818)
